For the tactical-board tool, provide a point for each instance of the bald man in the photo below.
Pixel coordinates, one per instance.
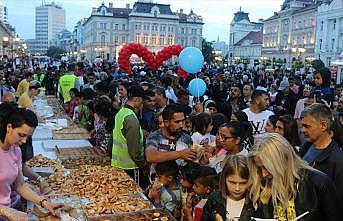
(8, 97)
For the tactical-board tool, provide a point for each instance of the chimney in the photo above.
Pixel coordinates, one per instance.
(181, 11)
(127, 6)
(110, 5)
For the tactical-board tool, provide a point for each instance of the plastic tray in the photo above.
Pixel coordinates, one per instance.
(138, 195)
(68, 199)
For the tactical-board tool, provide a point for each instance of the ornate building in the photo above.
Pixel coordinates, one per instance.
(240, 27)
(147, 23)
(290, 33)
(329, 34)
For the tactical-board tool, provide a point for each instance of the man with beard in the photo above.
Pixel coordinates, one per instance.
(257, 113)
(235, 99)
(170, 142)
(320, 150)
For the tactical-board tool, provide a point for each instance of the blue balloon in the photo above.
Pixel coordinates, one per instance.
(191, 60)
(197, 87)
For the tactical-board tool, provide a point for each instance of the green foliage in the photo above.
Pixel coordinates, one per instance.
(207, 51)
(297, 64)
(317, 64)
(55, 52)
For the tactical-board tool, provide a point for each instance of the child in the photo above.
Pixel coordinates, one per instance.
(166, 191)
(230, 202)
(322, 90)
(81, 113)
(189, 173)
(72, 104)
(202, 126)
(203, 186)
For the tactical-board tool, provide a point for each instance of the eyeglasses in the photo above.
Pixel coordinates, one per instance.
(223, 137)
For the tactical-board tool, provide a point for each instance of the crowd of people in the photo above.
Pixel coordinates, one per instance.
(264, 144)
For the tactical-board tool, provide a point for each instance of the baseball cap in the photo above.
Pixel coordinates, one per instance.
(283, 85)
(34, 85)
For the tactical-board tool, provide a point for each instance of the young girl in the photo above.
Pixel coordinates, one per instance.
(202, 126)
(231, 202)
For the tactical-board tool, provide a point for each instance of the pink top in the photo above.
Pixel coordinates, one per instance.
(10, 165)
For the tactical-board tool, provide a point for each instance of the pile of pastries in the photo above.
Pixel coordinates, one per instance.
(75, 163)
(93, 181)
(41, 161)
(110, 204)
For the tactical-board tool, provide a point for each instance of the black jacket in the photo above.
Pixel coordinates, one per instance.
(217, 204)
(330, 161)
(316, 194)
(288, 102)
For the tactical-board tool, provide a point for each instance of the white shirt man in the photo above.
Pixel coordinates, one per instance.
(257, 113)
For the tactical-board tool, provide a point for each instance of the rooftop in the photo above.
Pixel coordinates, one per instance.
(253, 37)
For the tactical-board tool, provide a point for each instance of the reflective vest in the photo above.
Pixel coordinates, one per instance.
(40, 78)
(120, 154)
(66, 83)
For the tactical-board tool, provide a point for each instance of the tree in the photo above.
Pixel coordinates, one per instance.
(55, 52)
(207, 51)
(317, 64)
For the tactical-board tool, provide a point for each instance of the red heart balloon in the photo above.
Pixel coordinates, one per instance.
(153, 62)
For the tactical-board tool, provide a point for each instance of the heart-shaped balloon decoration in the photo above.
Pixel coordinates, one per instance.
(153, 62)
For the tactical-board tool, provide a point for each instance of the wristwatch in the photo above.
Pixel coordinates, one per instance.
(39, 179)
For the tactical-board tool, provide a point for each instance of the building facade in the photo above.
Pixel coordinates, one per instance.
(290, 33)
(329, 34)
(240, 27)
(7, 42)
(50, 20)
(78, 36)
(150, 24)
(249, 48)
(3, 12)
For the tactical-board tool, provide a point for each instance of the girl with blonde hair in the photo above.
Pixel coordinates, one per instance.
(283, 186)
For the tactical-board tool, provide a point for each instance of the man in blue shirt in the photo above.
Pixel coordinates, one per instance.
(320, 150)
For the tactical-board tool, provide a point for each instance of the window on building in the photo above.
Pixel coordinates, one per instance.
(320, 44)
(193, 42)
(162, 39)
(103, 39)
(310, 21)
(123, 39)
(146, 39)
(321, 25)
(334, 24)
(116, 40)
(182, 41)
(170, 40)
(101, 25)
(104, 25)
(123, 27)
(116, 27)
(138, 38)
(155, 14)
(332, 43)
(154, 39)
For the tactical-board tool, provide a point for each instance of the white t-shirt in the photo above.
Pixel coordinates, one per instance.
(234, 208)
(203, 140)
(258, 121)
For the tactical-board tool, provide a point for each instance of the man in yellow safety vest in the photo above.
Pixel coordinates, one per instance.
(127, 147)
